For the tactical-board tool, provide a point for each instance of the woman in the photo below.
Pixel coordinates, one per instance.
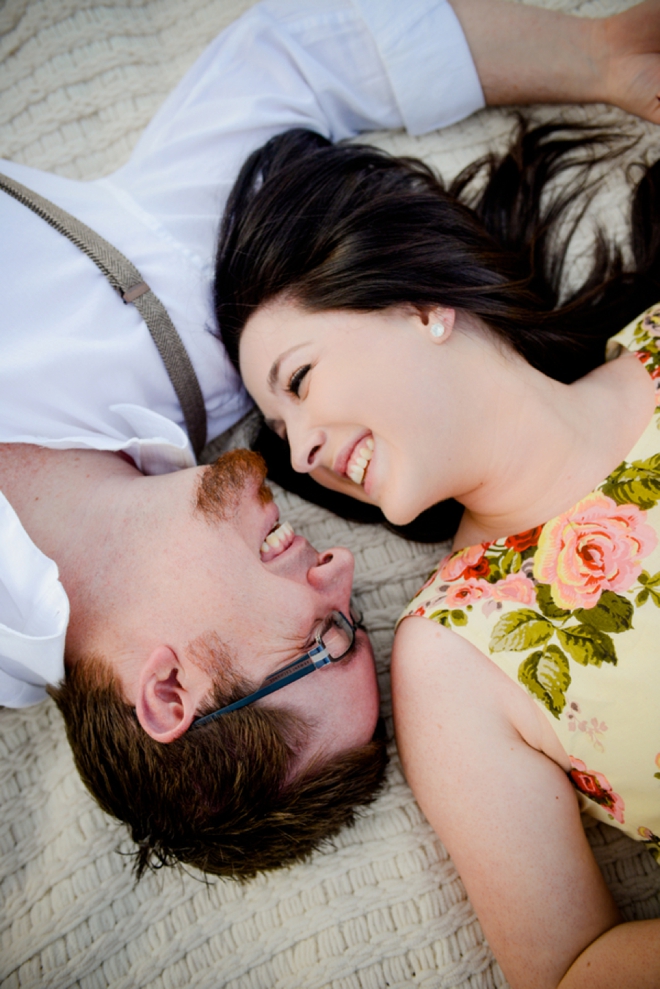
(413, 349)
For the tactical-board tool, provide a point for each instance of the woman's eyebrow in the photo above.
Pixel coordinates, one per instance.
(274, 372)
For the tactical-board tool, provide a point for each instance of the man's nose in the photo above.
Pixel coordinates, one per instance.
(333, 571)
(306, 446)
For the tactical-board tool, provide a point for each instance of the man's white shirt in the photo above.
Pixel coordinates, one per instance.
(79, 368)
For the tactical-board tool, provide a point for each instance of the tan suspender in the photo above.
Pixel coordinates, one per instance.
(127, 280)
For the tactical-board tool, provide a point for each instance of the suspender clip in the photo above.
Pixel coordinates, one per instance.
(135, 292)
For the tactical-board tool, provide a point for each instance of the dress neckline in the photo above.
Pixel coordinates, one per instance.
(641, 337)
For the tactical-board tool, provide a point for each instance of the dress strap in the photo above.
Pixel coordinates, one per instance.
(127, 280)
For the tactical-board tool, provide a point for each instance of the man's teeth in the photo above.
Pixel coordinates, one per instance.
(277, 537)
(360, 461)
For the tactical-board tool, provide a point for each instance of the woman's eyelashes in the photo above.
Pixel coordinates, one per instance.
(297, 378)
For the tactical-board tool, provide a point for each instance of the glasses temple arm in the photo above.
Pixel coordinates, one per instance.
(300, 670)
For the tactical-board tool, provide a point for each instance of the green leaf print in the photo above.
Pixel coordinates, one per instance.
(441, 617)
(613, 613)
(587, 645)
(520, 630)
(445, 617)
(546, 603)
(637, 483)
(650, 588)
(648, 580)
(546, 675)
(511, 562)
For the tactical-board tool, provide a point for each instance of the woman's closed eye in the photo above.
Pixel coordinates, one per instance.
(297, 378)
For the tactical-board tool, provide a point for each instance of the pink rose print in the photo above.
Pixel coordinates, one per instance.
(524, 540)
(514, 587)
(480, 569)
(467, 592)
(595, 786)
(456, 564)
(596, 546)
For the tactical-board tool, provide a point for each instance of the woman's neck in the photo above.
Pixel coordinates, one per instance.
(560, 442)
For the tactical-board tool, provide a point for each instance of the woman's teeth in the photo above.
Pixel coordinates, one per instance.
(277, 537)
(359, 462)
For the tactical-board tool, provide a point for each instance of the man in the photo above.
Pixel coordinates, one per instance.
(80, 369)
(185, 597)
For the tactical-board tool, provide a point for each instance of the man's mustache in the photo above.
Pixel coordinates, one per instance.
(223, 483)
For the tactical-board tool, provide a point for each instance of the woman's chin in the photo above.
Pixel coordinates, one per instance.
(343, 485)
(398, 511)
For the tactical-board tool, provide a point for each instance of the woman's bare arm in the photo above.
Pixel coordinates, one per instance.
(627, 955)
(526, 54)
(474, 752)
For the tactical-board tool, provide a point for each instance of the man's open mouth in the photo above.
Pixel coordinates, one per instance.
(277, 541)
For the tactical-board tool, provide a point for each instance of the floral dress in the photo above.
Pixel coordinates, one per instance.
(571, 610)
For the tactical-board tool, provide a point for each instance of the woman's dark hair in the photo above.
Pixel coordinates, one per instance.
(351, 227)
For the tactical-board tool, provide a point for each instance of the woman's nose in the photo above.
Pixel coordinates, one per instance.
(306, 449)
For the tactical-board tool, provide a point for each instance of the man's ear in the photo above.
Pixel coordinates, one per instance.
(167, 699)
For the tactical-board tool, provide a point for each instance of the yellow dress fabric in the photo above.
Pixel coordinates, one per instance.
(571, 610)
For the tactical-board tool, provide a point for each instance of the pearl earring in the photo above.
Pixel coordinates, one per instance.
(437, 330)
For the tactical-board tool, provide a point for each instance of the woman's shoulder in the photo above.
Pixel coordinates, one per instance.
(641, 337)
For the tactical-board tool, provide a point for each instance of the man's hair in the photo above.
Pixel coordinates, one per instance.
(221, 797)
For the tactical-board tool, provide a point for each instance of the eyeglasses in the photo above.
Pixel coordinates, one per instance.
(334, 640)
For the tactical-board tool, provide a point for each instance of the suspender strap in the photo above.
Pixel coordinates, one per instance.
(127, 280)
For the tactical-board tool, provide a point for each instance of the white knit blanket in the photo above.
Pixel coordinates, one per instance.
(382, 908)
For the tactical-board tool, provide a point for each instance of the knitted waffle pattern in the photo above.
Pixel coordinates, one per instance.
(384, 907)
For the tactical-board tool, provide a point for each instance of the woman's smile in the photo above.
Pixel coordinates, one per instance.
(354, 458)
(358, 465)
(326, 380)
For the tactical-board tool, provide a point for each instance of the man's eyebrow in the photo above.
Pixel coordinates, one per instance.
(274, 372)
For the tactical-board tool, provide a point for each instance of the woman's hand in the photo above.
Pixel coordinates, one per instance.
(526, 54)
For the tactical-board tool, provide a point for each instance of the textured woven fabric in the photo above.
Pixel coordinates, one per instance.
(383, 907)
